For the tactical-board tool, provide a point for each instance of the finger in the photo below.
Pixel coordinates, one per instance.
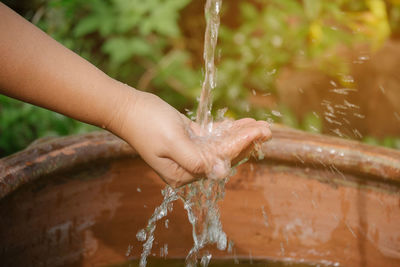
(226, 126)
(250, 123)
(173, 174)
(244, 122)
(245, 154)
(242, 140)
(235, 147)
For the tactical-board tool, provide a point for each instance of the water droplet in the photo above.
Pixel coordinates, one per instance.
(165, 250)
(276, 113)
(343, 91)
(222, 241)
(272, 72)
(205, 260)
(364, 58)
(231, 244)
(270, 120)
(357, 133)
(265, 216)
(358, 115)
(330, 114)
(338, 132)
(129, 251)
(141, 235)
(328, 119)
(350, 105)
(339, 106)
(347, 78)
(189, 112)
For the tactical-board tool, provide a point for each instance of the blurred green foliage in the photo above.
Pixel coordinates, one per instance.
(137, 42)
(274, 34)
(22, 123)
(140, 42)
(389, 141)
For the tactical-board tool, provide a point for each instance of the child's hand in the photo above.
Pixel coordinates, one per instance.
(170, 143)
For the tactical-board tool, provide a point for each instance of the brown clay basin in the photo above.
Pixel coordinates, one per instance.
(80, 200)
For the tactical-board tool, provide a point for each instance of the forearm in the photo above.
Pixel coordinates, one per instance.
(36, 69)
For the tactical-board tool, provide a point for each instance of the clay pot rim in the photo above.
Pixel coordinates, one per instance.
(48, 156)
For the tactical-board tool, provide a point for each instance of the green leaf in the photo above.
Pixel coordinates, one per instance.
(118, 49)
(140, 47)
(121, 49)
(164, 22)
(127, 22)
(371, 140)
(107, 26)
(389, 142)
(87, 25)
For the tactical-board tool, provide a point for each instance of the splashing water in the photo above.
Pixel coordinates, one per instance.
(146, 235)
(199, 198)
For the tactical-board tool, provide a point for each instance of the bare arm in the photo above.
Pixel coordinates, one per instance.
(36, 69)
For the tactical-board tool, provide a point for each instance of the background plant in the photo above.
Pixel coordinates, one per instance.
(155, 45)
(273, 34)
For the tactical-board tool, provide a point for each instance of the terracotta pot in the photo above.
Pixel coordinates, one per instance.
(80, 200)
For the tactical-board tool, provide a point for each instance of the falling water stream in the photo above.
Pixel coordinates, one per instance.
(199, 198)
(212, 11)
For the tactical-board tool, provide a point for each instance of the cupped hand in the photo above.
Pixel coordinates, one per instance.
(174, 147)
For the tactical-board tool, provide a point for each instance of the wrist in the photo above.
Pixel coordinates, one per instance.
(119, 108)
